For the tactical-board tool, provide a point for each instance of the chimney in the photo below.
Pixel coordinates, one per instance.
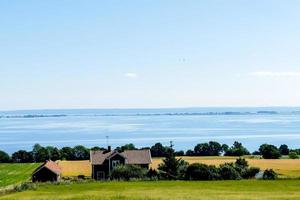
(109, 148)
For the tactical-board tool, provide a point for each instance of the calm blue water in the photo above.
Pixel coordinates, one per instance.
(144, 127)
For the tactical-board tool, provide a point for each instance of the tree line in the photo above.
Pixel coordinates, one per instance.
(40, 153)
(174, 168)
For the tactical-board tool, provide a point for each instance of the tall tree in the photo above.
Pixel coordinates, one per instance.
(172, 168)
(4, 157)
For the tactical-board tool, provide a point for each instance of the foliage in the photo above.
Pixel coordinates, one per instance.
(158, 150)
(4, 157)
(242, 163)
(127, 172)
(96, 148)
(126, 147)
(208, 149)
(22, 156)
(81, 153)
(152, 174)
(67, 153)
(284, 149)
(199, 171)
(179, 153)
(228, 172)
(249, 172)
(270, 174)
(269, 151)
(25, 186)
(172, 168)
(293, 155)
(237, 149)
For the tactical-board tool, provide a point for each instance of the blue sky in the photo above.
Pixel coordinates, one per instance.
(149, 53)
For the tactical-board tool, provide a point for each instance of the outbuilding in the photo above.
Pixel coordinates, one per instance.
(47, 172)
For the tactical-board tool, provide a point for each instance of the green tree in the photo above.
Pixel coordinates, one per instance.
(208, 149)
(81, 153)
(22, 156)
(126, 147)
(4, 157)
(67, 153)
(269, 151)
(172, 168)
(237, 149)
(158, 150)
(55, 154)
(284, 149)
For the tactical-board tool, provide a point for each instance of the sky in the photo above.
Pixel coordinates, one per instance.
(149, 53)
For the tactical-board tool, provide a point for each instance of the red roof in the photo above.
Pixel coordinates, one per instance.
(52, 166)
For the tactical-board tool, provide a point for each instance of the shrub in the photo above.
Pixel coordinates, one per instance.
(269, 174)
(152, 174)
(127, 172)
(241, 162)
(81, 177)
(25, 186)
(228, 172)
(199, 171)
(293, 155)
(250, 172)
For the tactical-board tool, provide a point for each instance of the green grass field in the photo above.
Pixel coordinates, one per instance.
(15, 173)
(163, 190)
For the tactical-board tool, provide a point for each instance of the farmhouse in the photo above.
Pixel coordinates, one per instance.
(103, 162)
(49, 171)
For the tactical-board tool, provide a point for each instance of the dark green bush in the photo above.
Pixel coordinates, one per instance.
(127, 172)
(269, 174)
(250, 172)
(152, 174)
(293, 155)
(228, 172)
(25, 186)
(241, 162)
(199, 171)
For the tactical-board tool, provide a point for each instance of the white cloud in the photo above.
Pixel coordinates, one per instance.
(275, 74)
(131, 75)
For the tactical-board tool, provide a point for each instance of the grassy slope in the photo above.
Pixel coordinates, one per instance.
(15, 173)
(163, 190)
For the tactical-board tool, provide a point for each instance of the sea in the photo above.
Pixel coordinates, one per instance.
(185, 127)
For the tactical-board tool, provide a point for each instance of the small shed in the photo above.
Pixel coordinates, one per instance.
(47, 172)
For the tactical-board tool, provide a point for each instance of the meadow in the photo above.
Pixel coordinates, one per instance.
(16, 173)
(162, 190)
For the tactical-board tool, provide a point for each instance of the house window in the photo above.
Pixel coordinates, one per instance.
(115, 163)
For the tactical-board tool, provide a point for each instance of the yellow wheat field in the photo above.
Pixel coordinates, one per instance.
(285, 167)
(75, 168)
